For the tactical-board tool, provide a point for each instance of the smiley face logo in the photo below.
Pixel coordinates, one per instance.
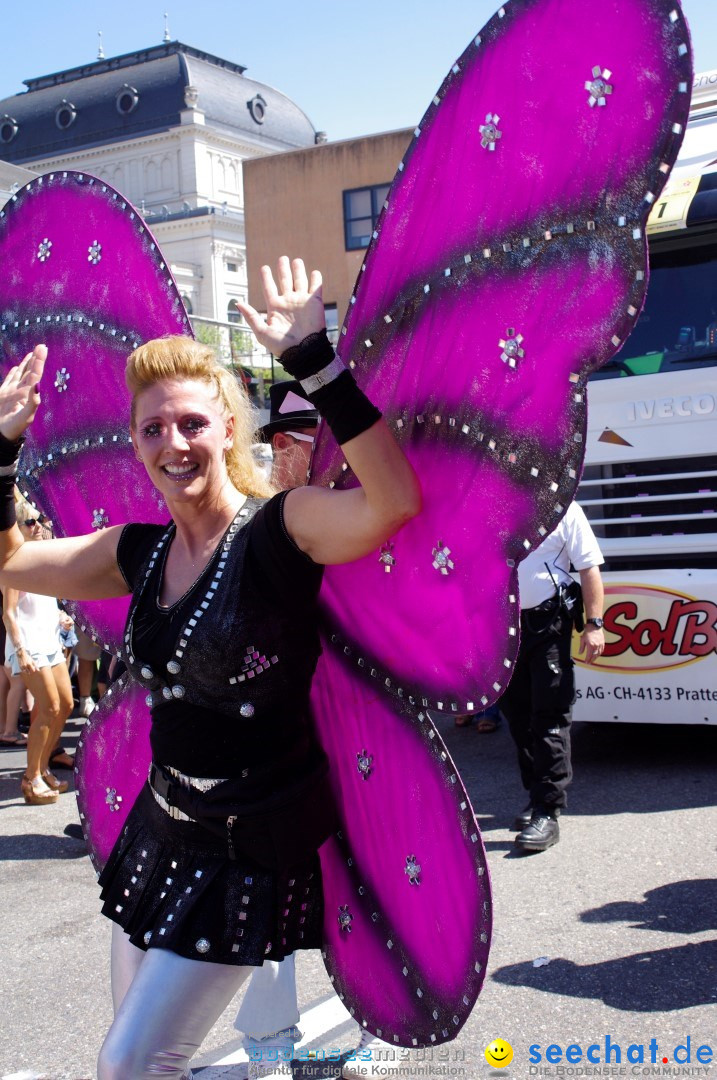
(499, 1053)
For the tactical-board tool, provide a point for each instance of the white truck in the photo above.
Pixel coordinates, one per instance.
(650, 481)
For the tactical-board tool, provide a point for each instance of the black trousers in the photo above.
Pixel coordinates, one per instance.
(537, 705)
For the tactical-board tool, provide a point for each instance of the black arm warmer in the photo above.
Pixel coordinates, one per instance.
(7, 503)
(9, 454)
(343, 405)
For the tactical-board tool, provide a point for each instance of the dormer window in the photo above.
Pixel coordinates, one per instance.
(257, 108)
(127, 100)
(8, 128)
(65, 115)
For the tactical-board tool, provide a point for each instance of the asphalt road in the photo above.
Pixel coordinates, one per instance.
(623, 909)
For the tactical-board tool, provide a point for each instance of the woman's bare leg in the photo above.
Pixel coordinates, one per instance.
(45, 714)
(63, 686)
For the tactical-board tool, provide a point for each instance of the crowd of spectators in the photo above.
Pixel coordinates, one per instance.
(49, 671)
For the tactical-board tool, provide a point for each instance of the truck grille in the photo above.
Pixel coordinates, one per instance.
(650, 518)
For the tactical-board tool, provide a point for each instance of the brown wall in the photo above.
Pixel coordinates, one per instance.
(294, 206)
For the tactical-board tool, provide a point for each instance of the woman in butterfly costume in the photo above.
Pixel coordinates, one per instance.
(508, 264)
(232, 571)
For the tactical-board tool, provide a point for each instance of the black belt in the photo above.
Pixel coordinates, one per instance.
(547, 605)
(173, 793)
(284, 828)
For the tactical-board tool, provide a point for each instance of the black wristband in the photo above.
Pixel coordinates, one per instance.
(345, 407)
(309, 356)
(10, 452)
(330, 387)
(8, 516)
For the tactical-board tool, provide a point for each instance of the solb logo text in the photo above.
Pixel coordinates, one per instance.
(648, 628)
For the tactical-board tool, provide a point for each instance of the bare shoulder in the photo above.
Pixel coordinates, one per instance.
(331, 526)
(308, 500)
(301, 505)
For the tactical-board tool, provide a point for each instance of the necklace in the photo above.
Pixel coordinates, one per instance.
(158, 684)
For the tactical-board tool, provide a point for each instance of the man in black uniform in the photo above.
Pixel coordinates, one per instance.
(538, 700)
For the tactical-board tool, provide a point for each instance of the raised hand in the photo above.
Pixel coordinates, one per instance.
(20, 394)
(294, 308)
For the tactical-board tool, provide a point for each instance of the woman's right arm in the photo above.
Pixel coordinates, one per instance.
(76, 568)
(79, 568)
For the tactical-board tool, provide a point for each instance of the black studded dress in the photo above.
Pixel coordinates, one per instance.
(228, 669)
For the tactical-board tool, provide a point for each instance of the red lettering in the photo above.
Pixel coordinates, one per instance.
(670, 646)
(700, 636)
(628, 610)
(654, 634)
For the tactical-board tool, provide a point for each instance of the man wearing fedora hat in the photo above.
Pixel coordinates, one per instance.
(291, 431)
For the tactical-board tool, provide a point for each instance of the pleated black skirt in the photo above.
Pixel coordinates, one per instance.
(170, 885)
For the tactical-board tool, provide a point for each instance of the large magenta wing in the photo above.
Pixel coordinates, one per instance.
(84, 275)
(508, 263)
(406, 892)
(111, 765)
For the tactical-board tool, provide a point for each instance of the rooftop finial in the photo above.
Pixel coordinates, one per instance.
(166, 26)
(100, 50)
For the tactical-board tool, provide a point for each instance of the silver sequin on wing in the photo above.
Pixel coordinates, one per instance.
(364, 764)
(489, 132)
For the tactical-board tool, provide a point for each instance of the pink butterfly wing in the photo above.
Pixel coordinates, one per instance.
(86, 277)
(508, 263)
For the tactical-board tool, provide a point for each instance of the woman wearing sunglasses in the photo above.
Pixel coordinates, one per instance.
(33, 651)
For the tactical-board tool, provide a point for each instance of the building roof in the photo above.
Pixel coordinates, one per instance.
(141, 93)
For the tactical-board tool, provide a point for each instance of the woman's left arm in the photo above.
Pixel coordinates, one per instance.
(334, 526)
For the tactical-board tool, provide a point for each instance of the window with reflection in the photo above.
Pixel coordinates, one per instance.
(678, 326)
(332, 323)
(361, 209)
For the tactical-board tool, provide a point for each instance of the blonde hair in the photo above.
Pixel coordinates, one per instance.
(23, 508)
(178, 357)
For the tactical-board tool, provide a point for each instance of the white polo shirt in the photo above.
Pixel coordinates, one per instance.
(573, 542)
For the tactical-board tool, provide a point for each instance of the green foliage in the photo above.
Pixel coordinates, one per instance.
(242, 342)
(208, 334)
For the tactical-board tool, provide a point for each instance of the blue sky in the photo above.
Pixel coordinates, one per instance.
(354, 67)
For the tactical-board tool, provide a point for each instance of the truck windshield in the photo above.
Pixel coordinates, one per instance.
(678, 327)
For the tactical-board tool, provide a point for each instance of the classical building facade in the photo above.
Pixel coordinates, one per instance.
(170, 127)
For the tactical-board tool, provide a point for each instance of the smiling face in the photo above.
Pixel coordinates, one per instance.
(181, 434)
(499, 1053)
